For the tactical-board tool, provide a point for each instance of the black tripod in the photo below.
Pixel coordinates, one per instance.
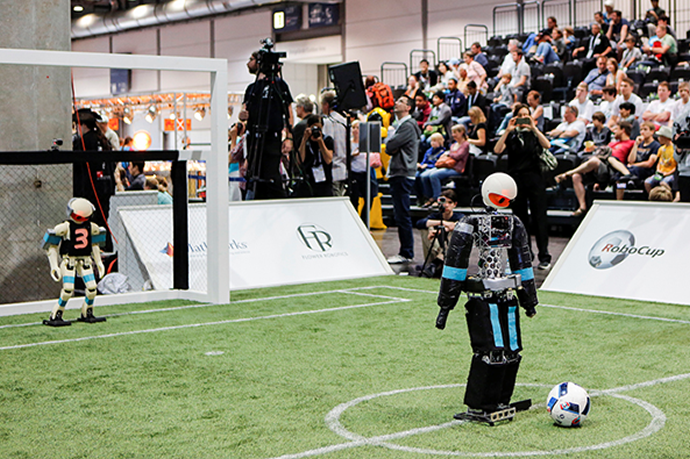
(429, 268)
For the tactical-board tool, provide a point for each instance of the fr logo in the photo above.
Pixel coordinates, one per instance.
(314, 238)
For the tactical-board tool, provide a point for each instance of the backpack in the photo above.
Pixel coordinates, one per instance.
(381, 95)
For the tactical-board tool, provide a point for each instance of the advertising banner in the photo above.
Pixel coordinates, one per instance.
(271, 243)
(633, 250)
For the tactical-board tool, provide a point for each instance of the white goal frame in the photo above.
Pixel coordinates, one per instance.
(217, 229)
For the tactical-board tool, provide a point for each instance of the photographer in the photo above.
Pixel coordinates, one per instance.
(681, 139)
(439, 225)
(316, 158)
(267, 112)
(523, 143)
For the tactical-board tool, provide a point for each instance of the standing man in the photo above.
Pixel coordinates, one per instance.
(403, 148)
(335, 126)
(113, 139)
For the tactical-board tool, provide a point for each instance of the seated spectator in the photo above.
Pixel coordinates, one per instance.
(535, 108)
(163, 196)
(608, 11)
(568, 136)
(508, 60)
(665, 21)
(440, 117)
(641, 161)
(666, 165)
(136, 171)
(413, 87)
(427, 78)
(558, 44)
(682, 105)
(661, 192)
(426, 165)
(659, 110)
(479, 56)
(597, 45)
(596, 78)
(682, 157)
(449, 164)
(585, 107)
(474, 99)
(627, 113)
(506, 98)
(430, 226)
(478, 133)
(616, 75)
(652, 15)
(618, 30)
(597, 132)
(609, 94)
(445, 74)
(632, 53)
(626, 95)
(456, 100)
(545, 53)
(475, 72)
(521, 74)
(599, 169)
(551, 23)
(603, 23)
(423, 109)
(662, 48)
(315, 157)
(569, 38)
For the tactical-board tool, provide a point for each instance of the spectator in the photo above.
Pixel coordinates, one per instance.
(598, 132)
(136, 170)
(426, 167)
(569, 38)
(616, 75)
(474, 99)
(506, 98)
(662, 193)
(335, 126)
(440, 118)
(568, 136)
(626, 95)
(598, 44)
(358, 175)
(652, 16)
(163, 196)
(508, 60)
(601, 20)
(665, 21)
(663, 48)
(601, 167)
(551, 23)
(618, 30)
(523, 142)
(102, 123)
(666, 165)
(432, 179)
(427, 78)
(463, 78)
(315, 156)
(558, 44)
(535, 108)
(682, 156)
(413, 87)
(521, 74)
(682, 105)
(403, 148)
(445, 74)
(478, 134)
(608, 95)
(596, 78)
(608, 11)
(627, 114)
(659, 110)
(631, 54)
(479, 56)
(303, 108)
(545, 53)
(475, 71)
(641, 160)
(430, 227)
(423, 109)
(127, 144)
(237, 160)
(585, 107)
(456, 100)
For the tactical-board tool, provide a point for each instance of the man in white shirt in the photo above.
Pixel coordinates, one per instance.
(626, 95)
(508, 60)
(521, 74)
(659, 111)
(682, 105)
(608, 96)
(335, 126)
(568, 136)
(585, 107)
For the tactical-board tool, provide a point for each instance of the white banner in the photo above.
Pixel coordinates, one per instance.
(271, 243)
(633, 250)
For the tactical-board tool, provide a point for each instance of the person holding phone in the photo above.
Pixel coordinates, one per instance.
(523, 143)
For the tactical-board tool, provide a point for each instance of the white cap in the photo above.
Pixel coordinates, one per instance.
(608, 3)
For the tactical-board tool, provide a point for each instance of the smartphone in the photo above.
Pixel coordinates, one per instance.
(522, 121)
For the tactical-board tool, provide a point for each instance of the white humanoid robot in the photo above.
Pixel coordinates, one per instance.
(505, 279)
(77, 241)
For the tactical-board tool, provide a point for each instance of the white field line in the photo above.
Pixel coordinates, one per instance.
(207, 305)
(621, 314)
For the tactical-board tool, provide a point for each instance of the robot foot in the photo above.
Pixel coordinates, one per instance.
(504, 414)
(57, 321)
(90, 318)
(522, 405)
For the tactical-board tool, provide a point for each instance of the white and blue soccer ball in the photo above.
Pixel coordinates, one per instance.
(568, 404)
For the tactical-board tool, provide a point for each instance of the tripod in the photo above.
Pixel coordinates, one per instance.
(429, 268)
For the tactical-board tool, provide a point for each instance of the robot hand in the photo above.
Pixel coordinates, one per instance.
(530, 312)
(101, 269)
(441, 318)
(55, 273)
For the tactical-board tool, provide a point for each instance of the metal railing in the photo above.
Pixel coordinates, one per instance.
(560, 9)
(476, 33)
(394, 74)
(417, 55)
(449, 48)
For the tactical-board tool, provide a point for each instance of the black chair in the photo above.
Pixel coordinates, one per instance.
(582, 32)
(647, 89)
(484, 165)
(683, 45)
(637, 76)
(496, 40)
(466, 179)
(555, 69)
(680, 73)
(658, 74)
(502, 163)
(544, 85)
(492, 68)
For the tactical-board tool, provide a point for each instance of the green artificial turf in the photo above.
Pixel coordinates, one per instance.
(142, 385)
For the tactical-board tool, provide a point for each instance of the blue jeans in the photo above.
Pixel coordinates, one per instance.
(401, 187)
(432, 180)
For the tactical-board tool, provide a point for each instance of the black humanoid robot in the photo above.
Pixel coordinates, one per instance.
(505, 279)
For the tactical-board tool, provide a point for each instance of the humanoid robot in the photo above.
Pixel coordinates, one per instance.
(77, 242)
(505, 278)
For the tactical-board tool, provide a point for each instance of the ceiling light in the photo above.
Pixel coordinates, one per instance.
(172, 115)
(200, 113)
(77, 8)
(151, 113)
(127, 115)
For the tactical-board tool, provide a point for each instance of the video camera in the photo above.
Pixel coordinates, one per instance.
(682, 129)
(269, 61)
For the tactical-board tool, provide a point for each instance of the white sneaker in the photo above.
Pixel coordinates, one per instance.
(398, 259)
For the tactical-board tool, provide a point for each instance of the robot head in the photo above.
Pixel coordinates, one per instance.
(79, 210)
(498, 190)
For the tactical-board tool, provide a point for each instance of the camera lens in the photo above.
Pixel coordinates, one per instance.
(442, 199)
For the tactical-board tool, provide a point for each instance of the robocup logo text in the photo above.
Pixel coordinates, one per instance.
(615, 247)
(314, 238)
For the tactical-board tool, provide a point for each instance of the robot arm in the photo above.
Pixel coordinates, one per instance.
(51, 242)
(455, 270)
(521, 263)
(97, 240)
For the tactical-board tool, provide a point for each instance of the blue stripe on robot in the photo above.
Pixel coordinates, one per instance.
(89, 278)
(526, 274)
(457, 274)
(496, 325)
(512, 328)
(69, 279)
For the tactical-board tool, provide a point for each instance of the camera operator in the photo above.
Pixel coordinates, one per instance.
(438, 226)
(681, 139)
(266, 109)
(316, 157)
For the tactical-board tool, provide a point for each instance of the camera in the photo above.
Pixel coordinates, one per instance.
(315, 132)
(442, 200)
(269, 60)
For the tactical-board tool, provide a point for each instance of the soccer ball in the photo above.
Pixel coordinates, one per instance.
(568, 404)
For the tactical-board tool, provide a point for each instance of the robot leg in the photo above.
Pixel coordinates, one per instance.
(56, 320)
(511, 369)
(86, 272)
(485, 382)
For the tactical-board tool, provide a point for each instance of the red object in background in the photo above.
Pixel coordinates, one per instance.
(114, 124)
(170, 125)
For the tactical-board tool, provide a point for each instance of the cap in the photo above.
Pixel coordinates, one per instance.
(101, 118)
(608, 3)
(454, 62)
(545, 32)
(665, 131)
